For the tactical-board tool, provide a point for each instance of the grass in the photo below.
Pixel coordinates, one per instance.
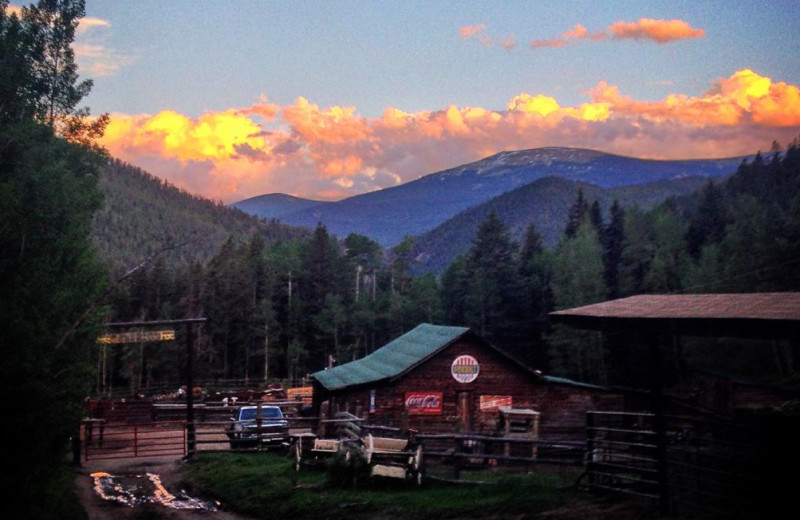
(265, 485)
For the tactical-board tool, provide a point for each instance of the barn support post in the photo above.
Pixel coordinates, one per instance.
(458, 449)
(190, 432)
(659, 421)
(591, 446)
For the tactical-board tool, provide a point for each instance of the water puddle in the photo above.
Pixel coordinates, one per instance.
(133, 490)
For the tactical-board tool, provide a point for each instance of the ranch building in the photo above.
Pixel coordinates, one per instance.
(440, 378)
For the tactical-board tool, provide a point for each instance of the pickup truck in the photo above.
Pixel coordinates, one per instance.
(244, 432)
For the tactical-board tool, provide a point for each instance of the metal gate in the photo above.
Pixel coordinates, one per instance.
(120, 441)
(720, 468)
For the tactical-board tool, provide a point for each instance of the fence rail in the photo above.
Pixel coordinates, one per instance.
(721, 467)
(120, 441)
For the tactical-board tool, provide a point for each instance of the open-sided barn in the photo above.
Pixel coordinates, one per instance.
(439, 377)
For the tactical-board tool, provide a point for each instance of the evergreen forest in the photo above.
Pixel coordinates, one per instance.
(281, 306)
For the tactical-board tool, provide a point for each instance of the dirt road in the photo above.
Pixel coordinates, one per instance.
(168, 469)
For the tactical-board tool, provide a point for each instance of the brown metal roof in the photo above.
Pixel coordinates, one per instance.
(749, 314)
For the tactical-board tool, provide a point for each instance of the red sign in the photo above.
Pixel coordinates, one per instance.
(495, 402)
(424, 403)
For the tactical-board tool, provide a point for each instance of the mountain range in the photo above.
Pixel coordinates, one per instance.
(546, 204)
(419, 206)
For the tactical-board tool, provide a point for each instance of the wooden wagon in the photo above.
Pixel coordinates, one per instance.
(396, 458)
(308, 448)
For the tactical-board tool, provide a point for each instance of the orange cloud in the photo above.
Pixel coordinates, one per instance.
(335, 124)
(659, 31)
(509, 42)
(536, 44)
(89, 22)
(470, 31)
(743, 98)
(330, 152)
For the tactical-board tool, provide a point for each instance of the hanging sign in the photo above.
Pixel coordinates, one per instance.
(137, 336)
(465, 369)
(424, 403)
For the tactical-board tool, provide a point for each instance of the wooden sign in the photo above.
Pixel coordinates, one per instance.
(139, 336)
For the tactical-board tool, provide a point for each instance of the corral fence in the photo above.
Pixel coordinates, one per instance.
(138, 429)
(708, 467)
(102, 441)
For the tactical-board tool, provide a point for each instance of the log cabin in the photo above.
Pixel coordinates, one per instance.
(438, 379)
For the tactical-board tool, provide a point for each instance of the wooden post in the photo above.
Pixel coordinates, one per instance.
(659, 421)
(590, 445)
(459, 449)
(323, 416)
(506, 432)
(190, 433)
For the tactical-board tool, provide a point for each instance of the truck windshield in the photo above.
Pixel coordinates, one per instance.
(266, 413)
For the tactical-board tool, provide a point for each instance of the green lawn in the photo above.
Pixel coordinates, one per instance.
(265, 485)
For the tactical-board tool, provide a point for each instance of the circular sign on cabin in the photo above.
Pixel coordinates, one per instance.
(465, 369)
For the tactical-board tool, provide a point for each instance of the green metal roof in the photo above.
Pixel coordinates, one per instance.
(565, 381)
(392, 359)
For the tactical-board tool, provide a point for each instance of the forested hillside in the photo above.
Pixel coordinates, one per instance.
(143, 215)
(544, 203)
(279, 311)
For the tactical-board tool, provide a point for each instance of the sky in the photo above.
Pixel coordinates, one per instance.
(329, 99)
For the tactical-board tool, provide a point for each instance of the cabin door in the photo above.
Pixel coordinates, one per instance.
(464, 409)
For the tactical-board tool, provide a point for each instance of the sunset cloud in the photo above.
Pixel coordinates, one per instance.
(87, 23)
(332, 152)
(470, 31)
(478, 32)
(659, 31)
(645, 29)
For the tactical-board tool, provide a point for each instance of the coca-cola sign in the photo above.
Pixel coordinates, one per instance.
(424, 403)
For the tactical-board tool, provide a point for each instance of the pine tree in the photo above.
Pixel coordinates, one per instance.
(613, 242)
(57, 91)
(493, 283)
(536, 272)
(707, 224)
(577, 212)
(49, 276)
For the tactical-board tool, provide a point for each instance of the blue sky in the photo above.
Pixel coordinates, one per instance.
(193, 56)
(352, 61)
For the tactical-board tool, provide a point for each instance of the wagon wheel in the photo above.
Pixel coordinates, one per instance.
(298, 453)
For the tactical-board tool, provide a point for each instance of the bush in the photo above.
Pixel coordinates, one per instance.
(348, 468)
